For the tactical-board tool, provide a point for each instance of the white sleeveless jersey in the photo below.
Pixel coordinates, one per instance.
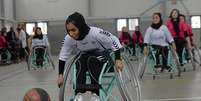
(40, 42)
(97, 39)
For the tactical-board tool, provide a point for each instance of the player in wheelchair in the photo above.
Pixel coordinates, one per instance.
(157, 40)
(38, 46)
(126, 41)
(158, 36)
(92, 42)
(5, 56)
(4, 53)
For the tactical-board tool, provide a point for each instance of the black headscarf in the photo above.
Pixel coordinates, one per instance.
(158, 25)
(78, 20)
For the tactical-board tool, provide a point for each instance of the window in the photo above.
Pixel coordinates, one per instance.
(43, 26)
(29, 28)
(121, 23)
(195, 21)
(133, 23)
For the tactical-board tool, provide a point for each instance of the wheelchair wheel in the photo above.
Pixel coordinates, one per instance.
(142, 66)
(196, 53)
(51, 62)
(191, 58)
(138, 52)
(127, 51)
(128, 81)
(125, 87)
(7, 59)
(174, 62)
(66, 90)
(146, 61)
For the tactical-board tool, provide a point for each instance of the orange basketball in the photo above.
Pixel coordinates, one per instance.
(36, 94)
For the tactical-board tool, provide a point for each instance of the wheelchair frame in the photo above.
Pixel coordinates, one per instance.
(47, 58)
(105, 89)
(150, 60)
(7, 60)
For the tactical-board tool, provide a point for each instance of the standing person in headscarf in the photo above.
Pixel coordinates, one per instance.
(179, 31)
(159, 38)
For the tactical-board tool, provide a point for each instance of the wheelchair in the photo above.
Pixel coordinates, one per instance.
(5, 57)
(192, 56)
(114, 85)
(40, 58)
(197, 54)
(149, 61)
(128, 51)
(138, 51)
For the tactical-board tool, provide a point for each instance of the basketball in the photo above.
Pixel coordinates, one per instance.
(36, 94)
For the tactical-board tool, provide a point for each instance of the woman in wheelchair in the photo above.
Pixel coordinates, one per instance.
(38, 43)
(126, 40)
(189, 39)
(92, 42)
(158, 36)
(137, 39)
(3, 47)
(179, 31)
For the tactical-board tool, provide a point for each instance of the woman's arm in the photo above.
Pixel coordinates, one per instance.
(30, 43)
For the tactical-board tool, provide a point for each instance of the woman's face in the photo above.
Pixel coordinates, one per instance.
(174, 14)
(124, 29)
(38, 31)
(156, 19)
(137, 28)
(73, 31)
(181, 18)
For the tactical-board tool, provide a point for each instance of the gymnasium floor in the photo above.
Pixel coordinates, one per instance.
(15, 80)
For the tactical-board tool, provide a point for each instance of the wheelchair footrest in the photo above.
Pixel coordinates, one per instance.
(87, 86)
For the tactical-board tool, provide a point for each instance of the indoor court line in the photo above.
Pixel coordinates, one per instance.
(176, 99)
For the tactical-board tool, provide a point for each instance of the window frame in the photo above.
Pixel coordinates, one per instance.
(36, 25)
(127, 23)
(192, 22)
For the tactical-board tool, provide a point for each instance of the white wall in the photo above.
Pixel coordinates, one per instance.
(0, 7)
(192, 5)
(7, 13)
(28, 10)
(120, 8)
(8, 4)
(32, 10)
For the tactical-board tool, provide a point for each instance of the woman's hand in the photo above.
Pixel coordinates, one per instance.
(145, 51)
(60, 80)
(174, 46)
(119, 64)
